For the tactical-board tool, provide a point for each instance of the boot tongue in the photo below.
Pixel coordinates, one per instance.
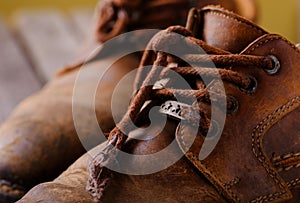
(226, 30)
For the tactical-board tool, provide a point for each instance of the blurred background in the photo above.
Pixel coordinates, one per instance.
(38, 37)
(281, 17)
(9, 6)
(276, 16)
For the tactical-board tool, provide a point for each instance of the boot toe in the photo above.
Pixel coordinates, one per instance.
(56, 192)
(31, 153)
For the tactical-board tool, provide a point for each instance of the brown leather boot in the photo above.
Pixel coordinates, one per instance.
(69, 187)
(256, 159)
(39, 140)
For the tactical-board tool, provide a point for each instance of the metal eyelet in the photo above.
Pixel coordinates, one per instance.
(275, 65)
(252, 87)
(234, 108)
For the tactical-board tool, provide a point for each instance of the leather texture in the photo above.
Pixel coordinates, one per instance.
(69, 187)
(179, 183)
(237, 32)
(39, 139)
(256, 158)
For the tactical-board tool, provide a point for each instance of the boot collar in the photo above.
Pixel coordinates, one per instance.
(223, 29)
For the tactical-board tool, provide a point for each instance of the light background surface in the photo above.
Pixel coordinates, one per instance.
(276, 16)
(281, 17)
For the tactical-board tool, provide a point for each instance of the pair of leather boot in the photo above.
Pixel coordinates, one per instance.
(39, 140)
(256, 157)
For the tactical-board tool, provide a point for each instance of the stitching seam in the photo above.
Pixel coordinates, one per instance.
(260, 157)
(195, 160)
(255, 139)
(293, 183)
(233, 195)
(237, 20)
(257, 149)
(285, 156)
(287, 168)
(272, 39)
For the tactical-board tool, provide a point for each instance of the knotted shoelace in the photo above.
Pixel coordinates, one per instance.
(161, 63)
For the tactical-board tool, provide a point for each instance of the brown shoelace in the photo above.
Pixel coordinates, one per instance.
(161, 63)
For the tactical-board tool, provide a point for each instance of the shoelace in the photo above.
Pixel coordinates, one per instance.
(99, 175)
(118, 16)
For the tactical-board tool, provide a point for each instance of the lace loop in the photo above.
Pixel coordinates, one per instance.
(275, 65)
(231, 60)
(234, 77)
(252, 86)
(151, 94)
(160, 70)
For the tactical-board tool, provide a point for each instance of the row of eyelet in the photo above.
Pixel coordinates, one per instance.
(253, 84)
(252, 89)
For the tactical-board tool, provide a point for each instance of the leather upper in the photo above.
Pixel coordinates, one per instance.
(264, 131)
(257, 156)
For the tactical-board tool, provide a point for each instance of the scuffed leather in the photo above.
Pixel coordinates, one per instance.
(240, 166)
(69, 187)
(39, 140)
(179, 183)
(226, 30)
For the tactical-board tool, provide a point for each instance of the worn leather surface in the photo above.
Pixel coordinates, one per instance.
(265, 125)
(178, 183)
(39, 140)
(262, 135)
(69, 187)
(239, 154)
(226, 30)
